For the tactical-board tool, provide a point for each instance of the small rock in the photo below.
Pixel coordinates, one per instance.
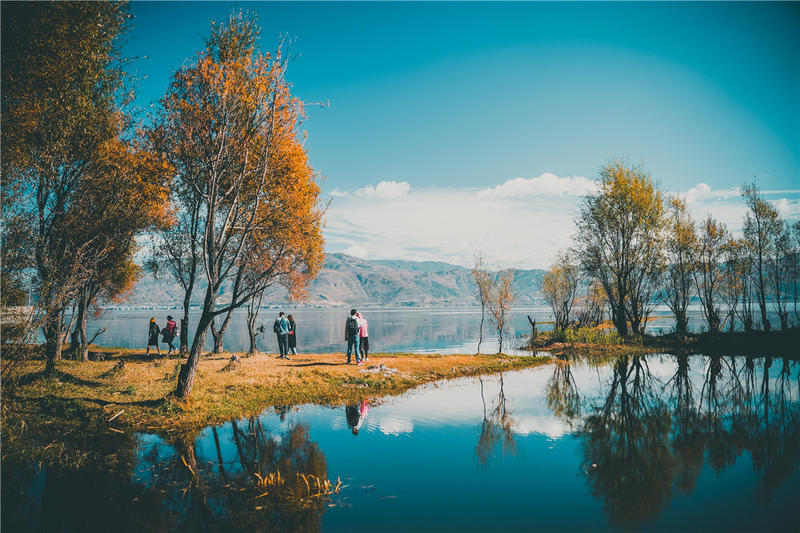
(233, 364)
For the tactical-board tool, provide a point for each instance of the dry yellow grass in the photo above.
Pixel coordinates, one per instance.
(142, 387)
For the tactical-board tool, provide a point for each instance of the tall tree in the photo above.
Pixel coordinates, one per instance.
(620, 235)
(483, 281)
(680, 247)
(761, 224)
(235, 126)
(779, 269)
(795, 270)
(125, 196)
(501, 297)
(560, 288)
(61, 78)
(708, 274)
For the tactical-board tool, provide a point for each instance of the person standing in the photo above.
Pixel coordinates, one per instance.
(281, 329)
(351, 336)
(363, 336)
(152, 337)
(169, 332)
(292, 335)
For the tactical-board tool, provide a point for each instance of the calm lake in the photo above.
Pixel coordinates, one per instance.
(405, 330)
(663, 442)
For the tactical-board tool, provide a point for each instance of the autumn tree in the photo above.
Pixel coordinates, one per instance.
(708, 274)
(176, 250)
(123, 197)
(761, 224)
(62, 81)
(560, 288)
(619, 242)
(234, 129)
(680, 247)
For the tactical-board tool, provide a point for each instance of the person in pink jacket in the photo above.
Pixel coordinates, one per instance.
(363, 334)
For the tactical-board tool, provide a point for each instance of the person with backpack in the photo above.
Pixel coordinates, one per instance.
(152, 337)
(351, 328)
(363, 336)
(281, 329)
(168, 333)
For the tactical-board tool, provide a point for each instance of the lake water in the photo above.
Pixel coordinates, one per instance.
(657, 443)
(406, 330)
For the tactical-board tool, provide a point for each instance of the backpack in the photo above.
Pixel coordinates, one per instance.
(276, 327)
(352, 327)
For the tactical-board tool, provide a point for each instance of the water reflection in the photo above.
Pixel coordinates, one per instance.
(496, 427)
(647, 439)
(658, 441)
(275, 482)
(356, 415)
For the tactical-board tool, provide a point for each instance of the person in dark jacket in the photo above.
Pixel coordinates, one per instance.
(152, 337)
(351, 336)
(292, 335)
(168, 334)
(281, 329)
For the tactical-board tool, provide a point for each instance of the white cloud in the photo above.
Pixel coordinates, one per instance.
(727, 205)
(356, 250)
(546, 184)
(450, 224)
(703, 191)
(385, 190)
(523, 229)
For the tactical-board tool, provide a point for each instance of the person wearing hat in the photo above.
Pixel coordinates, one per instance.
(168, 334)
(152, 337)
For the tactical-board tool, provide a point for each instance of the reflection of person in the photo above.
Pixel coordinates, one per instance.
(152, 337)
(292, 335)
(168, 335)
(356, 414)
(281, 329)
(351, 328)
(363, 336)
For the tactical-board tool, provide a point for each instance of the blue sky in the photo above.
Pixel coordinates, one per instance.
(447, 103)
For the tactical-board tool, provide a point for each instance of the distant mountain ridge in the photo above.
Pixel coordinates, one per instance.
(347, 280)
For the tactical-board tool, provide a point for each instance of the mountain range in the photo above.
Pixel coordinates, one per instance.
(347, 280)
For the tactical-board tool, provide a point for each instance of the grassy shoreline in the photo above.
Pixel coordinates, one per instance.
(124, 380)
(775, 343)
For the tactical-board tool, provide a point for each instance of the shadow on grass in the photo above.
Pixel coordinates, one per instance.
(57, 374)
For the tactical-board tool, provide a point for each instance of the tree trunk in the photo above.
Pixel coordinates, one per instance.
(185, 326)
(82, 330)
(53, 335)
(480, 328)
(189, 368)
(253, 348)
(217, 335)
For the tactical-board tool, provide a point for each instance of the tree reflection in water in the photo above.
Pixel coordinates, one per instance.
(275, 483)
(497, 426)
(561, 392)
(640, 449)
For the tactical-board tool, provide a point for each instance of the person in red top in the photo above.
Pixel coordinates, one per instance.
(169, 333)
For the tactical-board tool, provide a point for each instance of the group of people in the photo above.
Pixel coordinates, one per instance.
(356, 335)
(286, 330)
(168, 334)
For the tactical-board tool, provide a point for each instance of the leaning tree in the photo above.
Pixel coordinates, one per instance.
(231, 127)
